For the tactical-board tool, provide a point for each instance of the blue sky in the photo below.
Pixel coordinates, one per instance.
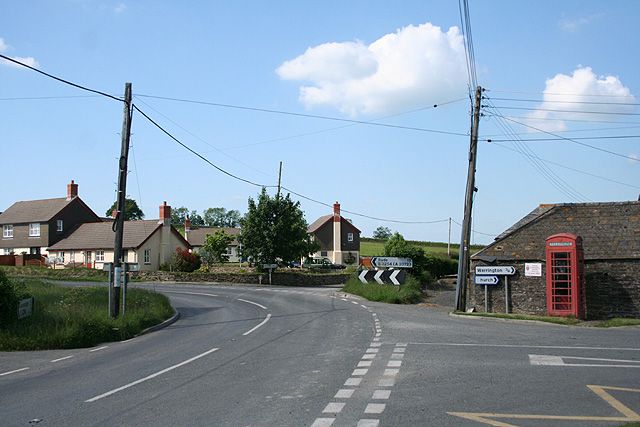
(369, 61)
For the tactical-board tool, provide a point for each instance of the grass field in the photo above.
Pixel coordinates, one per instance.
(78, 317)
(375, 247)
(409, 293)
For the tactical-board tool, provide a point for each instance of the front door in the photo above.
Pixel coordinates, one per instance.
(87, 259)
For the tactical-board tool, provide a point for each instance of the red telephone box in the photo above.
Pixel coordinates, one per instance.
(564, 274)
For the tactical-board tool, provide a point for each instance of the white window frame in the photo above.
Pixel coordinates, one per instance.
(99, 256)
(8, 251)
(61, 256)
(60, 225)
(72, 256)
(147, 256)
(349, 237)
(34, 229)
(7, 231)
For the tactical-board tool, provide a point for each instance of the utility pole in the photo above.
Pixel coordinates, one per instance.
(118, 223)
(279, 178)
(463, 258)
(449, 241)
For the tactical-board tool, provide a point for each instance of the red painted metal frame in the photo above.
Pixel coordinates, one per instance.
(563, 275)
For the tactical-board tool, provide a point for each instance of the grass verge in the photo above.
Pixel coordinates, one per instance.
(70, 274)
(609, 323)
(409, 293)
(78, 317)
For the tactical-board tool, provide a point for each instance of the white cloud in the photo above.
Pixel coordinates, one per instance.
(572, 25)
(415, 66)
(566, 95)
(29, 60)
(120, 7)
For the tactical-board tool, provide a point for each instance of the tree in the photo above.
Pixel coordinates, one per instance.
(215, 247)
(220, 217)
(275, 229)
(131, 210)
(178, 215)
(182, 260)
(382, 233)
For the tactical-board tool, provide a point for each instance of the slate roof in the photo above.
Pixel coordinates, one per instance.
(100, 235)
(33, 211)
(197, 236)
(609, 230)
(318, 223)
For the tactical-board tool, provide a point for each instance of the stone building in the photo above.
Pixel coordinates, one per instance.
(608, 274)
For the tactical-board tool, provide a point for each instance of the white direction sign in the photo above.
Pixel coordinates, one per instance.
(486, 280)
(391, 262)
(362, 275)
(500, 270)
(378, 277)
(394, 277)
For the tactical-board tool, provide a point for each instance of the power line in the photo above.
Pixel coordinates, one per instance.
(558, 94)
(36, 98)
(60, 79)
(561, 138)
(198, 154)
(557, 119)
(566, 111)
(571, 140)
(475, 231)
(561, 102)
(572, 169)
(313, 116)
(572, 130)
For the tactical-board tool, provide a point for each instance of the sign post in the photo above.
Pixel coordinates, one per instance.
(270, 267)
(482, 272)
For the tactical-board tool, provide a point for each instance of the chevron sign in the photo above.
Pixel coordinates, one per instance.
(394, 277)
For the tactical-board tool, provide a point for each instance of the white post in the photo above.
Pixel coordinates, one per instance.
(506, 294)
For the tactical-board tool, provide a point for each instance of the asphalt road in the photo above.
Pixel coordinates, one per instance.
(249, 356)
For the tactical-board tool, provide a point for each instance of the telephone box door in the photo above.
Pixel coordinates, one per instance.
(564, 258)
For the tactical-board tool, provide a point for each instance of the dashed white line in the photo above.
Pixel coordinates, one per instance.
(394, 363)
(369, 356)
(344, 393)
(62, 358)
(364, 364)
(355, 302)
(323, 422)
(99, 348)
(391, 372)
(399, 350)
(372, 350)
(251, 302)
(266, 319)
(397, 356)
(368, 423)
(354, 382)
(359, 372)
(375, 408)
(381, 394)
(386, 382)
(13, 372)
(333, 408)
(189, 293)
(375, 344)
(148, 377)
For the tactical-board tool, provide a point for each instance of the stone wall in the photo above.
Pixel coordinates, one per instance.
(278, 278)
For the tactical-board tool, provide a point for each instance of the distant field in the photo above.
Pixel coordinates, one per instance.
(375, 247)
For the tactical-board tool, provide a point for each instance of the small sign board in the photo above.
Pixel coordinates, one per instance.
(25, 307)
(391, 262)
(269, 266)
(486, 280)
(533, 269)
(500, 270)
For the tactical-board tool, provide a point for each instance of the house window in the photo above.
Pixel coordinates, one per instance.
(349, 237)
(34, 229)
(99, 256)
(72, 256)
(229, 250)
(8, 251)
(7, 231)
(61, 257)
(147, 256)
(60, 224)
(323, 253)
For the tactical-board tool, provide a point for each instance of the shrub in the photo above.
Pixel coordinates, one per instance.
(11, 293)
(183, 260)
(409, 293)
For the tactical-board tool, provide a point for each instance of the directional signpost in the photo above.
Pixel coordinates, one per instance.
(394, 277)
(391, 262)
(487, 275)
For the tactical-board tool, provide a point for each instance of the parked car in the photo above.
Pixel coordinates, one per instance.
(322, 263)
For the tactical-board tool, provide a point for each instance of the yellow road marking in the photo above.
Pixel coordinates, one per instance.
(629, 414)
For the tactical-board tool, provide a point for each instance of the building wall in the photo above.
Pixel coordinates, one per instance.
(73, 214)
(22, 242)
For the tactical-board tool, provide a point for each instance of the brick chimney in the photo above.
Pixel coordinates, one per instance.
(336, 212)
(165, 235)
(72, 190)
(187, 228)
(165, 213)
(337, 234)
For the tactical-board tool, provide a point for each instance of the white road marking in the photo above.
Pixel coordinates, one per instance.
(397, 356)
(190, 293)
(375, 344)
(344, 299)
(556, 347)
(381, 394)
(266, 319)
(399, 350)
(251, 302)
(401, 344)
(386, 382)
(368, 423)
(323, 422)
(372, 350)
(391, 372)
(99, 348)
(394, 363)
(333, 408)
(13, 372)
(355, 382)
(355, 302)
(548, 360)
(62, 358)
(376, 339)
(364, 306)
(375, 408)
(364, 364)
(369, 356)
(148, 377)
(359, 372)
(344, 393)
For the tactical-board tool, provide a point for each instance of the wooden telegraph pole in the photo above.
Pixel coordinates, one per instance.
(463, 258)
(118, 223)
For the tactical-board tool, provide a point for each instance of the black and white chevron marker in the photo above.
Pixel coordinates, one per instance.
(394, 277)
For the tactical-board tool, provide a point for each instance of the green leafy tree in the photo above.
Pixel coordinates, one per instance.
(196, 219)
(382, 233)
(131, 210)
(424, 266)
(182, 260)
(178, 215)
(273, 229)
(215, 247)
(220, 217)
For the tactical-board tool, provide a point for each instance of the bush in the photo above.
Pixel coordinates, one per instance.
(11, 293)
(408, 293)
(425, 267)
(183, 260)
